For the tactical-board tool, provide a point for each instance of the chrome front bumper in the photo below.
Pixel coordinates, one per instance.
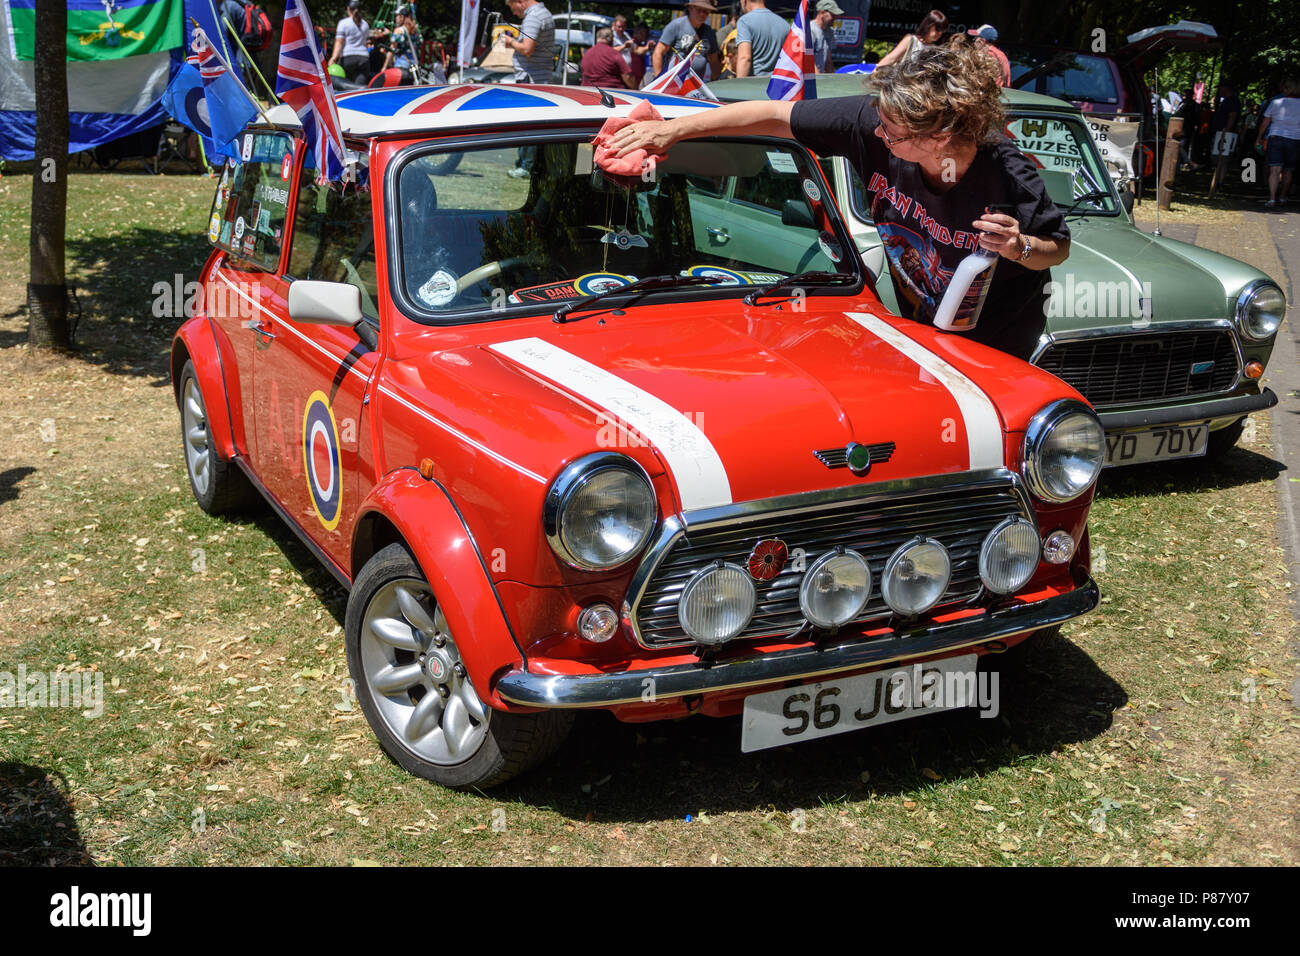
(680, 680)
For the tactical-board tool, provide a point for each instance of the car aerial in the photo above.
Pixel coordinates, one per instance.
(1166, 340)
(567, 448)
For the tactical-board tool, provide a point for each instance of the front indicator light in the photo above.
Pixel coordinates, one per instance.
(916, 576)
(835, 589)
(717, 603)
(1058, 547)
(597, 623)
(1254, 368)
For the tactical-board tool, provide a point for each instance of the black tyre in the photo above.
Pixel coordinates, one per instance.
(1225, 439)
(413, 689)
(218, 485)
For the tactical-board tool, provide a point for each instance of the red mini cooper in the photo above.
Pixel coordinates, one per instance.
(650, 445)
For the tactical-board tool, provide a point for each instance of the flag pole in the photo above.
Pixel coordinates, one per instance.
(234, 35)
(233, 75)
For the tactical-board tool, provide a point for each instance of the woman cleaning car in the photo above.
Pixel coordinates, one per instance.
(941, 177)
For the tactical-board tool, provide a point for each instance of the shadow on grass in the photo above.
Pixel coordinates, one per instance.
(1240, 466)
(37, 826)
(9, 481)
(114, 277)
(1054, 695)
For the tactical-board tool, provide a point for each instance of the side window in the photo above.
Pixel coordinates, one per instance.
(334, 236)
(248, 211)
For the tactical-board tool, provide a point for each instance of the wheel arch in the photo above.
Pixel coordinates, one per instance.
(195, 343)
(421, 515)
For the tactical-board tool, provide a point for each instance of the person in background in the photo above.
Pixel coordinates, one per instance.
(820, 28)
(350, 45)
(985, 36)
(929, 31)
(534, 62)
(602, 65)
(1227, 111)
(928, 144)
(233, 11)
(403, 41)
(535, 49)
(680, 35)
(759, 36)
(623, 40)
(1280, 133)
(640, 50)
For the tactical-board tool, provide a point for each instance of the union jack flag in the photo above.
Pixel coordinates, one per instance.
(301, 81)
(681, 80)
(792, 77)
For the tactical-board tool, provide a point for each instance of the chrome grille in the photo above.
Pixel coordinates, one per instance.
(1117, 370)
(958, 517)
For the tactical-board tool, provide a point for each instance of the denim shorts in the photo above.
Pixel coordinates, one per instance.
(1283, 152)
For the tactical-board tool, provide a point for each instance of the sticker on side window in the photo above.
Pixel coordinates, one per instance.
(782, 162)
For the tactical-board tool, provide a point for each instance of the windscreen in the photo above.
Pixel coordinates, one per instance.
(482, 230)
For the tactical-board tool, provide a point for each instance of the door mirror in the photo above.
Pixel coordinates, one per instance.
(1126, 195)
(795, 212)
(324, 303)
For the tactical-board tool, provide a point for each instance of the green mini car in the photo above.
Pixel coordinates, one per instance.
(1168, 341)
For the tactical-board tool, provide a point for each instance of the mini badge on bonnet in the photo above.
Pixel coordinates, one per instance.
(858, 458)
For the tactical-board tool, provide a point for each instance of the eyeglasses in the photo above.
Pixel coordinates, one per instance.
(890, 140)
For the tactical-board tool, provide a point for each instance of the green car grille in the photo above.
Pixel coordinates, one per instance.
(1124, 369)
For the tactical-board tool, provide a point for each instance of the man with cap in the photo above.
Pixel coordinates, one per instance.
(681, 34)
(760, 34)
(986, 35)
(827, 11)
(350, 45)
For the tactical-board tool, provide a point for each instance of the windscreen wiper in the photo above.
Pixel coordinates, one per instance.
(648, 284)
(1094, 196)
(799, 279)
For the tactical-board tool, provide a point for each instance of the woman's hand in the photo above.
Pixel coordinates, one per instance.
(1000, 233)
(651, 135)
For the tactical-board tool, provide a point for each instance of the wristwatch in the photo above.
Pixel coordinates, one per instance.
(1026, 252)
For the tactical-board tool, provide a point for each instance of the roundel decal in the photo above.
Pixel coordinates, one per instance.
(594, 282)
(321, 460)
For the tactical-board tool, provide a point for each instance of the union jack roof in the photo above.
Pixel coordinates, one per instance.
(433, 108)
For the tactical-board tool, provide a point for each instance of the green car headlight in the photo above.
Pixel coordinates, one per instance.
(1064, 451)
(1260, 309)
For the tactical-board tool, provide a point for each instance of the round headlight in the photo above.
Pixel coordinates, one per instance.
(916, 576)
(1064, 450)
(599, 513)
(835, 589)
(717, 603)
(1009, 556)
(1260, 308)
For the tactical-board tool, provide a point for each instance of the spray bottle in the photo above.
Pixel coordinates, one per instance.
(974, 265)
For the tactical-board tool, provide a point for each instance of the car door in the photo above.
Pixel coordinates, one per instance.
(249, 228)
(312, 380)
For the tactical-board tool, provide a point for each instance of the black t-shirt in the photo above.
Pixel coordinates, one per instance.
(927, 234)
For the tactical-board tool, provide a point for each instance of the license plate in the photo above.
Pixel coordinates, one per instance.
(796, 714)
(1157, 444)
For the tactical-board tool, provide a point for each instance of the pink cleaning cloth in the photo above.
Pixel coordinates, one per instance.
(635, 163)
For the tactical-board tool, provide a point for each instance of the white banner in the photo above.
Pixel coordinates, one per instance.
(468, 31)
(1115, 141)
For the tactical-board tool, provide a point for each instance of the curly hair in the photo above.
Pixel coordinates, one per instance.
(954, 88)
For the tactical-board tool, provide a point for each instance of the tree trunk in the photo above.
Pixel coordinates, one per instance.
(47, 291)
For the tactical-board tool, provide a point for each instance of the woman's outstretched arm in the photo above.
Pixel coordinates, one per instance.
(755, 118)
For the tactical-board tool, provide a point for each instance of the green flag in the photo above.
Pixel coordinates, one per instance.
(102, 29)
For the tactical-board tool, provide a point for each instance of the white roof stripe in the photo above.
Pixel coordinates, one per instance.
(983, 426)
(701, 477)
